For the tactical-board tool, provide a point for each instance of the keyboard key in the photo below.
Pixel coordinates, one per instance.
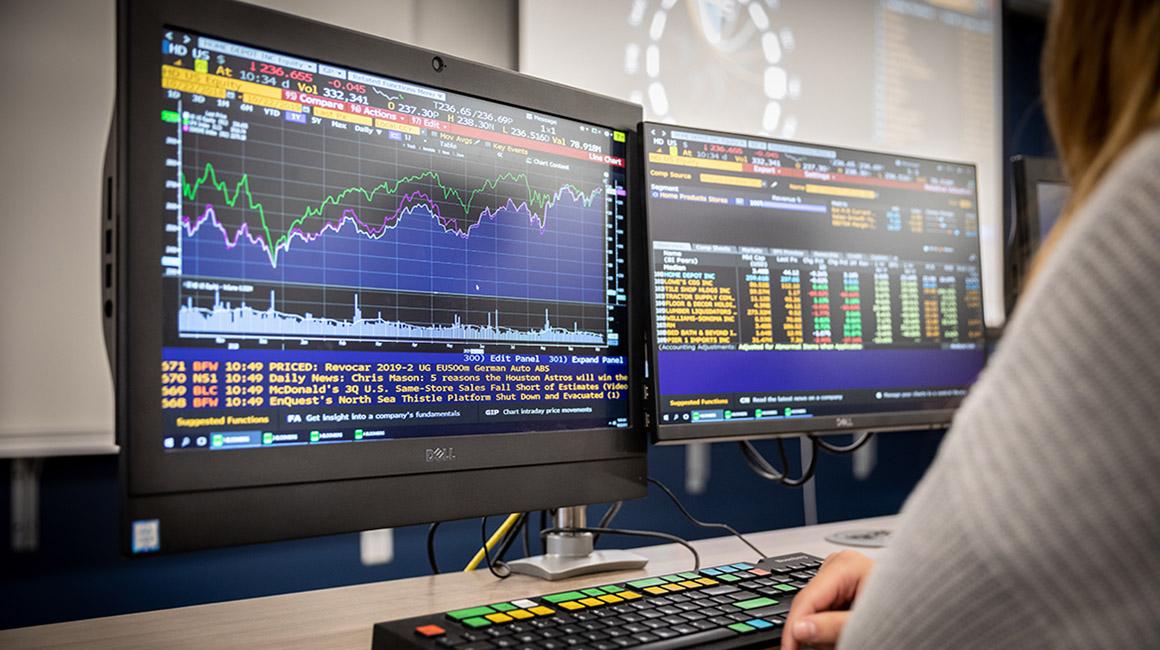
(540, 610)
(471, 612)
(647, 582)
(559, 598)
(742, 628)
(759, 624)
(499, 618)
(430, 631)
(721, 590)
(755, 603)
(476, 623)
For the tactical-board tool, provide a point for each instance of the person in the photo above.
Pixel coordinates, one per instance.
(1038, 525)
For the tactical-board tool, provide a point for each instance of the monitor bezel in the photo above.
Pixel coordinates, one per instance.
(854, 422)
(149, 475)
(1027, 173)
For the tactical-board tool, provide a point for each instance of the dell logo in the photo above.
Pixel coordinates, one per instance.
(440, 454)
(845, 423)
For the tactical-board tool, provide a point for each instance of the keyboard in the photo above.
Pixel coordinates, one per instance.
(731, 606)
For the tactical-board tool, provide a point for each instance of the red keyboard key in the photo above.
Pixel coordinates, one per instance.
(430, 631)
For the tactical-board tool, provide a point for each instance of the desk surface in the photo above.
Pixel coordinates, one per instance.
(342, 617)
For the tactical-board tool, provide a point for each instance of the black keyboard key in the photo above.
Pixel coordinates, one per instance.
(693, 616)
(673, 620)
(773, 610)
(604, 645)
(595, 636)
(699, 638)
(665, 633)
(720, 590)
(478, 645)
(684, 629)
(636, 628)
(505, 642)
(625, 642)
(617, 631)
(645, 637)
(721, 621)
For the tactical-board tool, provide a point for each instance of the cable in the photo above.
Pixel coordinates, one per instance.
(762, 468)
(510, 538)
(491, 541)
(848, 449)
(528, 535)
(488, 543)
(431, 547)
(634, 533)
(702, 524)
(606, 520)
(808, 472)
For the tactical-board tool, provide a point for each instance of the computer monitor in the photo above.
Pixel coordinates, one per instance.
(352, 284)
(1040, 192)
(803, 288)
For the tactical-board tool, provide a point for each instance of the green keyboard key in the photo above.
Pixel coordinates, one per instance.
(689, 575)
(728, 578)
(741, 628)
(559, 598)
(612, 589)
(593, 592)
(503, 607)
(461, 614)
(785, 587)
(647, 582)
(476, 623)
(672, 578)
(754, 603)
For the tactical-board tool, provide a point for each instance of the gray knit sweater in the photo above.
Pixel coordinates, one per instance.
(1038, 526)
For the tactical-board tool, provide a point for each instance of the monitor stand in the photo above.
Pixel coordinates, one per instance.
(870, 538)
(573, 554)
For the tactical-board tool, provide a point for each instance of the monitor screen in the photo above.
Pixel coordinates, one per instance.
(802, 287)
(352, 258)
(1050, 197)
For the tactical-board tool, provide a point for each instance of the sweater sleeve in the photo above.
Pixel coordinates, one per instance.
(1038, 525)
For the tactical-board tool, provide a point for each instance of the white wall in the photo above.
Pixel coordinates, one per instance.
(56, 395)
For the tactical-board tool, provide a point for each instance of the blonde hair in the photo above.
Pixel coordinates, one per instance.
(1101, 89)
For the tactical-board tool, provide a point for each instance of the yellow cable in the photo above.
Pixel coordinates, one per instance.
(493, 540)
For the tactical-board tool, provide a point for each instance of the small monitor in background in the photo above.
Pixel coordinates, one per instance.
(1040, 194)
(803, 288)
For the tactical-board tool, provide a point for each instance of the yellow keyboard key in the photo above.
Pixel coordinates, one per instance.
(672, 586)
(592, 602)
(708, 582)
(690, 584)
(542, 611)
(611, 599)
(521, 614)
(629, 595)
(656, 591)
(498, 618)
(571, 605)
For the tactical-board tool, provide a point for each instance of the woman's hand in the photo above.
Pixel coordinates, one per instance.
(820, 611)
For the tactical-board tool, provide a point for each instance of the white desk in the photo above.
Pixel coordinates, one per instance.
(343, 617)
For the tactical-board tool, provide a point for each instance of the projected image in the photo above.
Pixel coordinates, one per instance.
(912, 77)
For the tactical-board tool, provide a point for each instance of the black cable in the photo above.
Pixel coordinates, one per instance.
(634, 533)
(487, 554)
(808, 472)
(431, 547)
(510, 537)
(848, 449)
(765, 470)
(688, 515)
(606, 520)
(528, 535)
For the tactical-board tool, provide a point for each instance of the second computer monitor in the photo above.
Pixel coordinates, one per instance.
(805, 288)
